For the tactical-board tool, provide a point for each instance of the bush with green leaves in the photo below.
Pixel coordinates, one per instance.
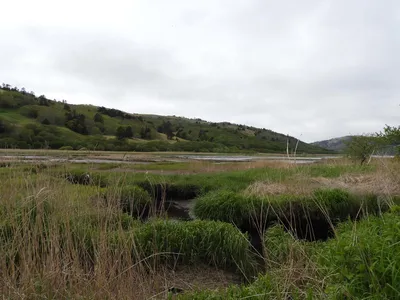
(363, 261)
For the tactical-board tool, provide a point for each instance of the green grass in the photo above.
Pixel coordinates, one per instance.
(63, 240)
(239, 180)
(132, 200)
(301, 214)
(363, 261)
(215, 243)
(267, 287)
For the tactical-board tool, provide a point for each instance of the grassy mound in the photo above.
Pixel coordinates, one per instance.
(309, 217)
(214, 243)
(131, 199)
(171, 191)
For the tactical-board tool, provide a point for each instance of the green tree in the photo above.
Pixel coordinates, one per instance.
(360, 148)
(124, 132)
(98, 118)
(391, 137)
(203, 135)
(5, 127)
(45, 121)
(120, 134)
(128, 132)
(76, 122)
(391, 134)
(145, 133)
(43, 101)
(166, 128)
(67, 107)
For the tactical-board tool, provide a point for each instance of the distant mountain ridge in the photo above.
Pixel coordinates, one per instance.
(30, 121)
(335, 144)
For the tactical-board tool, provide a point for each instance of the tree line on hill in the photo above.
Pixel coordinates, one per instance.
(30, 121)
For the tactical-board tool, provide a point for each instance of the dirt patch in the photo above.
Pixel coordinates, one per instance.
(179, 210)
(194, 278)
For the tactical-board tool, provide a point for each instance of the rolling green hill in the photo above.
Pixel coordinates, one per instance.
(29, 121)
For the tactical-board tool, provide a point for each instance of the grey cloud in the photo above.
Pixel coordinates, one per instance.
(313, 69)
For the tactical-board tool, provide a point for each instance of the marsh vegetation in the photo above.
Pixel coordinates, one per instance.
(255, 229)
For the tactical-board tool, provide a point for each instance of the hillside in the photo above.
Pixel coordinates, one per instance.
(29, 121)
(335, 144)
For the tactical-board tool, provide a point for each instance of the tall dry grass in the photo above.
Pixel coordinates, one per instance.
(381, 177)
(55, 244)
(47, 255)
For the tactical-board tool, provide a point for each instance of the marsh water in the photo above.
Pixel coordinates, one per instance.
(169, 158)
(235, 158)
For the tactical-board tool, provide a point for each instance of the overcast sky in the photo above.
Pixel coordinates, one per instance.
(313, 69)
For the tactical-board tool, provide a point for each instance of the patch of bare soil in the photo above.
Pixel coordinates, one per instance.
(193, 278)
